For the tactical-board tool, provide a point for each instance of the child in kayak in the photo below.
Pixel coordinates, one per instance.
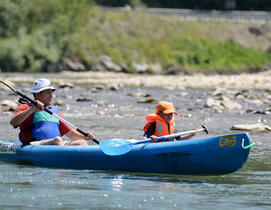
(161, 122)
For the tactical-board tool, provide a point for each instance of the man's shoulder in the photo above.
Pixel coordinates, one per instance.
(22, 108)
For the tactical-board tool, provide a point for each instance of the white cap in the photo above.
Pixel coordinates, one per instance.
(40, 85)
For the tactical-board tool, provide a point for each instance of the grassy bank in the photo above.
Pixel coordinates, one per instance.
(51, 31)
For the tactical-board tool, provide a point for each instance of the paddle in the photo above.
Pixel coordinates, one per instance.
(115, 147)
(47, 110)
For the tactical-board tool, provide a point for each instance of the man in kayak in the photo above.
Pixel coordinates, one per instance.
(37, 127)
(161, 122)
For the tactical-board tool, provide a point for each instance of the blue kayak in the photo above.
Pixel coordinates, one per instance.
(205, 156)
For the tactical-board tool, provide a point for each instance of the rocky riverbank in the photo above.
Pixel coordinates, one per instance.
(261, 80)
(246, 94)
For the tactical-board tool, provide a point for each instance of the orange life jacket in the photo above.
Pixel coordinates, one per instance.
(161, 128)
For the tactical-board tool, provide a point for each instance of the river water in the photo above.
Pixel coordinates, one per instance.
(118, 114)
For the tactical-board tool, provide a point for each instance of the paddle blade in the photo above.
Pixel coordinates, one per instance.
(116, 146)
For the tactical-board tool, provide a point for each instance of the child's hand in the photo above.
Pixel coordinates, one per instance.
(154, 137)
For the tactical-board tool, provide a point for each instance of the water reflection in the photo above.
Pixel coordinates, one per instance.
(117, 183)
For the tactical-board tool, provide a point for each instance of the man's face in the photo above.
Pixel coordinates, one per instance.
(45, 96)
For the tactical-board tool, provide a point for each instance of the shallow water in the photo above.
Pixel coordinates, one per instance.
(120, 115)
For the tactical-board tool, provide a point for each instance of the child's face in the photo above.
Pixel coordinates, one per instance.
(166, 117)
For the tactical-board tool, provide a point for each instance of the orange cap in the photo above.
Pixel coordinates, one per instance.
(165, 107)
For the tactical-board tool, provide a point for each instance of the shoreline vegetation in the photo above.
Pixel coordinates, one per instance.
(52, 36)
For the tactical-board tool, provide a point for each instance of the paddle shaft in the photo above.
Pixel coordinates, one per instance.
(183, 133)
(161, 138)
(116, 147)
(48, 111)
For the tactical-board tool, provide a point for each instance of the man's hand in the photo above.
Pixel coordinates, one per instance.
(37, 108)
(89, 136)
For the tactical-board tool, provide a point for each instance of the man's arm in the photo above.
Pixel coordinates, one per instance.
(75, 135)
(23, 113)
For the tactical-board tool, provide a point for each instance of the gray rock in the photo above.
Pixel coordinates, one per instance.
(113, 87)
(147, 100)
(74, 65)
(214, 104)
(83, 99)
(259, 127)
(230, 104)
(108, 64)
(102, 103)
(222, 104)
(66, 85)
(9, 105)
(138, 95)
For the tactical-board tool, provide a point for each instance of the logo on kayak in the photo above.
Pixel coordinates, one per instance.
(227, 141)
(6, 147)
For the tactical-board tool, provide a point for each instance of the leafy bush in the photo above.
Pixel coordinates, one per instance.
(37, 35)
